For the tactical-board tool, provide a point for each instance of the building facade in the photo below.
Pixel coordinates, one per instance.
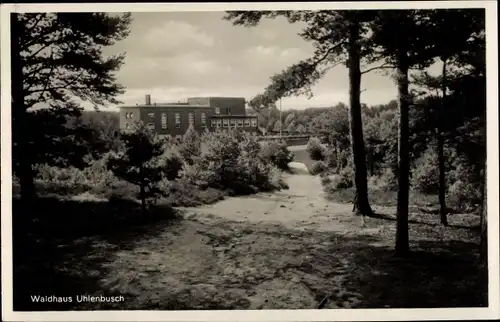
(203, 113)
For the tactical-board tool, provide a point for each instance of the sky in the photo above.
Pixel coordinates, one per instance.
(175, 55)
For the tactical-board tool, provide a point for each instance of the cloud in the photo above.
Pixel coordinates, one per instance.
(175, 37)
(274, 52)
(176, 55)
(269, 35)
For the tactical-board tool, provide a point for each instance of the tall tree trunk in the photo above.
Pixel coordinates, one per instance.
(361, 204)
(440, 151)
(143, 200)
(402, 240)
(21, 152)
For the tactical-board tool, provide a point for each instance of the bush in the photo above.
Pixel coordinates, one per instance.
(330, 159)
(218, 162)
(464, 196)
(315, 149)
(190, 147)
(425, 174)
(384, 182)
(233, 161)
(181, 193)
(64, 181)
(97, 172)
(335, 182)
(318, 167)
(172, 163)
(276, 153)
(200, 175)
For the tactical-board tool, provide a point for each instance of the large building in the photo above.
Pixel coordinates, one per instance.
(203, 113)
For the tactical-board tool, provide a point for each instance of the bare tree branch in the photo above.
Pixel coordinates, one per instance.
(383, 66)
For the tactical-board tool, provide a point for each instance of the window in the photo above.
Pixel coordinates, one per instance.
(203, 119)
(247, 122)
(178, 120)
(254, 122)
(191, 118)
(164, 123)
(127, 125)
(228, 111)
(240, 123)
(213, 123)
(225, 122)
(128, 115)
(233, 123)
(219, 123)
(151, 126)
(217, 110)
(151, 115)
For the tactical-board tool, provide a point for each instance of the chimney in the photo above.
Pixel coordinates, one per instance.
(148, 99)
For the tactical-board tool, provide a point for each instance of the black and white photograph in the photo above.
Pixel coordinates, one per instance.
(252, 161)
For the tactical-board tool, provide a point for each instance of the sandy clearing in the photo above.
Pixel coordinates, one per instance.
(302, 206)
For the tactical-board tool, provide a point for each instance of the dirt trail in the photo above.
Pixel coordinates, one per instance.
(302, 206)
(267, 251)
(284, 250)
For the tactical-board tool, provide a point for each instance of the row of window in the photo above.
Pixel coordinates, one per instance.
(234, 123)
(214, 123)
(191, 119)
(227, 111)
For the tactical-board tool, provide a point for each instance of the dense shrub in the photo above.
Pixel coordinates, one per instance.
(464, 188)
(64, 181)
(335, 182)
(463, 196)
(199, 175)
(181, 193)
(318, 167)
(276, 153)
(425, 174)
(230, 163)
(330, 159)
(218, 162)
(190, 147)
(233, 161)
(172, 162)
(386, 181)
(315, 149)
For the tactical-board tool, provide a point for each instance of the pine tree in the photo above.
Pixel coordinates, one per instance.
(401, 38)
(56, 57)
(139, 162)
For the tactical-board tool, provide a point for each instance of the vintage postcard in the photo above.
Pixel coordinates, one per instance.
(333, 161)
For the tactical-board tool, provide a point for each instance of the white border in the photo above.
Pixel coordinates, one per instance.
(492, 312)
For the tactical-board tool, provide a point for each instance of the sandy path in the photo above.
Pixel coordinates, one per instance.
(302, 207)
(267, 251)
